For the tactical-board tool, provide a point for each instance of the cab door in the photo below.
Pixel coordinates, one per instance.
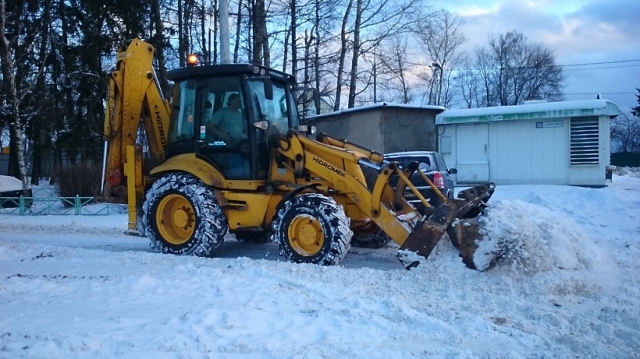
(225, 127)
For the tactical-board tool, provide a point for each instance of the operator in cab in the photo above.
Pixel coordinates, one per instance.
(228, 124)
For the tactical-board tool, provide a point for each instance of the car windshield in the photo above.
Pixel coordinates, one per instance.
(425, 163)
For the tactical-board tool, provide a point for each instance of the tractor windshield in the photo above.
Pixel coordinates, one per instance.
(281, 110)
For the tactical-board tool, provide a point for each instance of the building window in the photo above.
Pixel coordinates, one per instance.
(585, 141)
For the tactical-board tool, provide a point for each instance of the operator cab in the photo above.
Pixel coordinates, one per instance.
(217, 111)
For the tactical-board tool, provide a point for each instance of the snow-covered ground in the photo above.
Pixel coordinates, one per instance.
(76, 287)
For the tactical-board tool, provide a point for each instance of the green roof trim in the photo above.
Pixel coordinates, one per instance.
(530, 111)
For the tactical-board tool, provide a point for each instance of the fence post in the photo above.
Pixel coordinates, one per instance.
(77, 205)
(21, 208)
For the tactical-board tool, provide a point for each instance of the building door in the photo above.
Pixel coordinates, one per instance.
(472, 153)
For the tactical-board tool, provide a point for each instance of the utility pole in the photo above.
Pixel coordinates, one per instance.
(225, 56)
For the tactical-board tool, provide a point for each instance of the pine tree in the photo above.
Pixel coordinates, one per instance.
(636, 110)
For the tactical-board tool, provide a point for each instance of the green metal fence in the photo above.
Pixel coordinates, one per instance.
(50, 204)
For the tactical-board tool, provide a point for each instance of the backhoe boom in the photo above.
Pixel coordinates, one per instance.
(136, 119)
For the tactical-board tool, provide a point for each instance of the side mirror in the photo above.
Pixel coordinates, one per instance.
(453, 171)
(263, 125)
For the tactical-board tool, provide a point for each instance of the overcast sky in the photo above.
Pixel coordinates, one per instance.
(578, 31)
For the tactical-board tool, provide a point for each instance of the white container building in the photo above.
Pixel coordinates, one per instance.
(565, 142)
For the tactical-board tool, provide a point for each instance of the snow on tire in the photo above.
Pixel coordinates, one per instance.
(312, 228)
(182, 216)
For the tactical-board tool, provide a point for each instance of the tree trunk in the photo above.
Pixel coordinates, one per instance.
(236, 48)
(355, 57)
(158, 42)
(181, 51)
(259, 32)
(287, 35)
(294, 47)
(203, 33)
(39, 122)
(215, 31)
(343, 55)
(36, 167)
(316, 50)
(8, 70)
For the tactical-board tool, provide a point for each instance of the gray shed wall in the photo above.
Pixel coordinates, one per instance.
(383, 129)
(362, 128)
(409, 130)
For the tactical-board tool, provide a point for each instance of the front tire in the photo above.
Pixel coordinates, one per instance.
(312, 228)
(182, 216)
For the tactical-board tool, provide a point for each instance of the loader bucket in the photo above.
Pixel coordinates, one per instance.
(465, 209)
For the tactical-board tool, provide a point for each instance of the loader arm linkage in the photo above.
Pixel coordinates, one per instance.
(336, 163)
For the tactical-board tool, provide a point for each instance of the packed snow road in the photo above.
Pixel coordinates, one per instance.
(76, 288)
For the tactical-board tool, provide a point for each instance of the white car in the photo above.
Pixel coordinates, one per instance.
(10, 191)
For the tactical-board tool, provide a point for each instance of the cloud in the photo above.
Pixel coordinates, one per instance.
(595, 26)
(577, 31)
(621, 14)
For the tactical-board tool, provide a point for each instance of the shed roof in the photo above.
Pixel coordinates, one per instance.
(376, 106)
(530, 111)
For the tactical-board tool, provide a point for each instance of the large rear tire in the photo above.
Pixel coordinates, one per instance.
(182, 216)
(312, 228)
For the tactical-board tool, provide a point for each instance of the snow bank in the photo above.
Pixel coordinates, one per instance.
(529, 238)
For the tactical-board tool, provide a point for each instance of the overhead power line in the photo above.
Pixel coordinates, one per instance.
(602, 93)
(602, 68)
(601, 63)
(564, 66)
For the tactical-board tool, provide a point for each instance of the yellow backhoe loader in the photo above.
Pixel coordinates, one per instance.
(229, 154)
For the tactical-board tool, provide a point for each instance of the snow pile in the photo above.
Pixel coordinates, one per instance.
(627, 171)
(529, 238)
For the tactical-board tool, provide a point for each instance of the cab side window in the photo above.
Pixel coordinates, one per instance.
(183, 112)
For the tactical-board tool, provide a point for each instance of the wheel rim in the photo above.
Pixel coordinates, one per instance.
(175, 218)
(306, 236)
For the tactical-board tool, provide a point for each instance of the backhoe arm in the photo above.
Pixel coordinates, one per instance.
(136, 112)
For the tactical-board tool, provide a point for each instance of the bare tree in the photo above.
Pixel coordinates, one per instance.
(514, 70)
(14, 96)
(396, 70)
(625, 133)
(441, 37)
(468, 84)
(625, 130)
(373, 21)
